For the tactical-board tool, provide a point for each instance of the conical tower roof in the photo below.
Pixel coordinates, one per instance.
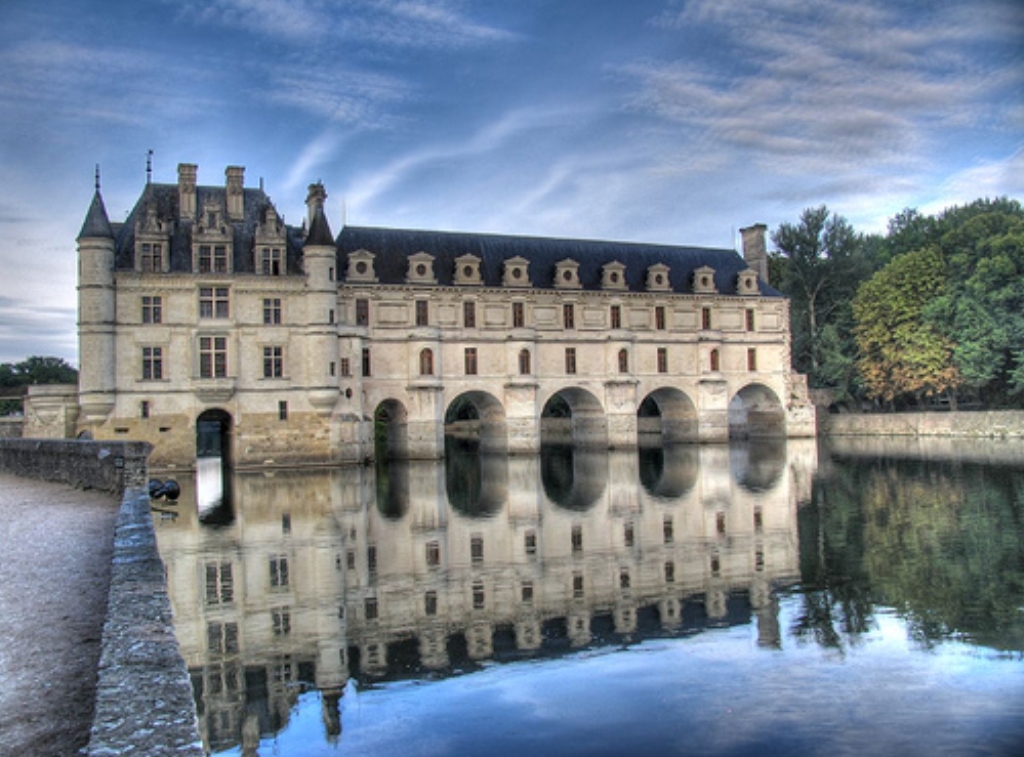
(96, 222)
(319, 230)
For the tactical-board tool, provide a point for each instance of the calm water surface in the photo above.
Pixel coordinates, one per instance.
(860, 597)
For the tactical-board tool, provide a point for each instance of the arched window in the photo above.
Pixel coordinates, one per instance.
(524, 362)
(427, 362)
(623, 361)
(714, 360)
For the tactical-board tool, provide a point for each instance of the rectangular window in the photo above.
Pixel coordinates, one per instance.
(433, 554)
(270, 261)
(213, 302)
(152, 310)
(430, 602)
(152, 363)
(705, 318)
(568, 316)
(478, 595)
(144, 409)
(616, 317)
(282, 621)
(659, 317)
(720, 522)
(371, 558)
(570, 360)
(282, 410)
(346, 367)
(471, 361)
(577, 539)
(530, 542)
(220, 259)
(577, 585)
(213, 357)
(205, 259)
(366, 361)
(751, 359)
(220, 584)
(362, 312)
(272, 311)
(518, 315)
(662, 360)
(151, 258)
(273, 362)
(670, 572)
(422, 313)
(370, 607)
(667, 529)
(279, 572)
(758, 520)
(628, 533)
(476, 549)
(750, 320)
(526, 592)
(469, 315)
(623, 578)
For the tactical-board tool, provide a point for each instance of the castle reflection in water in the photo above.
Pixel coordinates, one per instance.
(312, 577)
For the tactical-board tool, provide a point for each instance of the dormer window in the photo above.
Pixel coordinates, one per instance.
(421, 269)
(704, 280)
(567, 274)
(360, 267)
(746, 282)
(657, 278)
(613, 276)
(271, 261)
(211, 244)
(151, 257)
(467, 270)
(212, 258)
(151, 243)
(516, 272)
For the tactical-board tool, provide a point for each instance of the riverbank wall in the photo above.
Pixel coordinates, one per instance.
(987, 424)
(144, 701)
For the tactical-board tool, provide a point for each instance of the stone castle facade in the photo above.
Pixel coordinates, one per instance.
(303, 346)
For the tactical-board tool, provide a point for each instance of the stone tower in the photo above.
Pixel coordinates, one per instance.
(96, 316)
(319, 256)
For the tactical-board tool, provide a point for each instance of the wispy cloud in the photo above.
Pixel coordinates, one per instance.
(398, 23)
(827, 86)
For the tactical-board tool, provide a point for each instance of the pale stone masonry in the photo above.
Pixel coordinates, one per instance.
(204, 305)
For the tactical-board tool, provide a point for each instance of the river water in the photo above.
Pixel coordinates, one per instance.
(802, 598)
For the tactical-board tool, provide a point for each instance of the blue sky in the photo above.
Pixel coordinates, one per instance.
(671, 121)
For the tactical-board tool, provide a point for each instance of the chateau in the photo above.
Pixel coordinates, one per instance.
(204, 309)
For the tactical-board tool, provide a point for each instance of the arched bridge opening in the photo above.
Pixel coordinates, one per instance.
(756, 412)
(574, 416)
(666, 416)
(477, 416)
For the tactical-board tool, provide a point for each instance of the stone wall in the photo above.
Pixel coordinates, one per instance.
(10, 427)
(107, 466)
(1001, 424)
(144, 701)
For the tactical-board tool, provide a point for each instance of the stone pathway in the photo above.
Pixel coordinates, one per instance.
(55, 549)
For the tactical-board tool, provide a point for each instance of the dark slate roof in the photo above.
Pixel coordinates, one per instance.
(96, 223)
(165, 198)
(392, 248)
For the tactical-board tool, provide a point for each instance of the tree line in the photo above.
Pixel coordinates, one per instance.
(14, 377)
(931, 312)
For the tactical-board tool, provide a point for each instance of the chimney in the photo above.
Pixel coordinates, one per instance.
(235, 190)
(754, 250)
(314, 200)
(187, 190)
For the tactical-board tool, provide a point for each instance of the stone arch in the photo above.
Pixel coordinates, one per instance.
(755, 411)
(665, 416)
(213, 461)
(668, 472)
(391, 430)
(480, 416)
(574, 416)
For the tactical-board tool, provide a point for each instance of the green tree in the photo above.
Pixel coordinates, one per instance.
(33, 370)
(820, 263)
(901, 351)
(982, 311)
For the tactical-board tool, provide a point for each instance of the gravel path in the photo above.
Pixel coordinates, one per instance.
(55, 549)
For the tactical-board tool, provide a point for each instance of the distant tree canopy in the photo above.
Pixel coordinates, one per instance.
(935, 306)
(31, 371)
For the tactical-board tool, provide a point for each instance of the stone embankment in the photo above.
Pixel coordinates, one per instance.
(144, 702)
(991, 424)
